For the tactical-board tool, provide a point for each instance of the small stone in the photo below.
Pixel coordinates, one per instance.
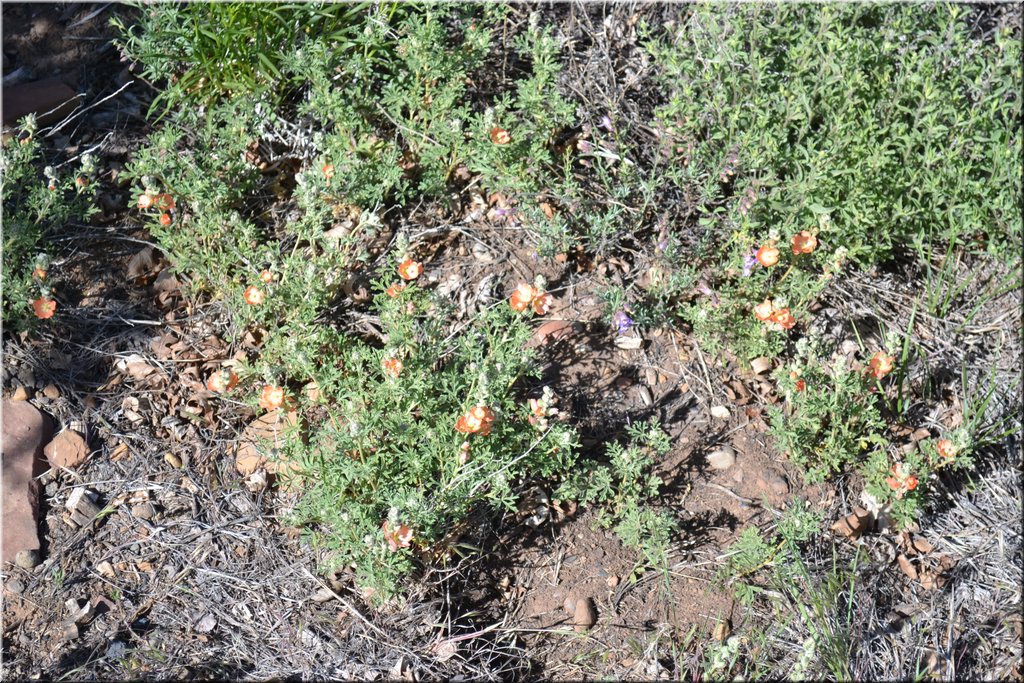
(737, 475)
(645, 396)
(116, 650)
(172, 460)
(721, 412)
(21, 394)
(14, 586)
(761, 365)
(27, 559)
(774, 482)
(67, 449)
(585, 615)
(921, 434)
(51, 391)
(106, 569)
(612, 581)
(144, 510)
(722, 459)
(569, 605)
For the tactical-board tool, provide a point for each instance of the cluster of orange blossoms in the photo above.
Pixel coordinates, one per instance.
(803, 242)
(221, 381)
(477, 420)
(526, 296)
(399, 537)
(392, 367)
(162, 202)
(767, 312)
(902, 480)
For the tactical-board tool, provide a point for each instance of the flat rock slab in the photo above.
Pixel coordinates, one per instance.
(68, 449)
(25, 430)
(50, 100)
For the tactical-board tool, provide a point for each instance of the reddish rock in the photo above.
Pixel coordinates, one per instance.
(50, 100)
(25, 430)
(68, 449)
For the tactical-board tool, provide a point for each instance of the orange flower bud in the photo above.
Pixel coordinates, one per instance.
(145, 201)
(165, 219)
(394, 289)
(267, 276)
(328, 171)
(800, 385)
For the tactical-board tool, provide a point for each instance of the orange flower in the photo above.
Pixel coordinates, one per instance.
(328, 171)
(537, 407)
(500, 136)
(783, 318)
(526, 296)
(253, 296)
(397, 538)
(880, 365)
(767, 256)
(542, 303)
(38, 273)
(523, 297)
(800, 385)
(145, 201)
(946, 449)
(165, 219)
(477, 420)
(804, 243)
(271, 397)
(394, 289)
(81, 182)
(392, 366)
(901, 481)
(764, 310)
(164, 202)
(267, 276)
(44, 307)
(409, 269)
(221, 381)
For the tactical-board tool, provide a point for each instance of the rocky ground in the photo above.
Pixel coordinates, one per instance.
(136, 545)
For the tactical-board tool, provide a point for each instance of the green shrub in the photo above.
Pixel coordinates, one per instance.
(624, 490)
(37, 199)
(890, 118)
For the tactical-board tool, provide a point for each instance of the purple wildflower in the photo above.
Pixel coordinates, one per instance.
(622, 322)
(749, 261)
(606, 123)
